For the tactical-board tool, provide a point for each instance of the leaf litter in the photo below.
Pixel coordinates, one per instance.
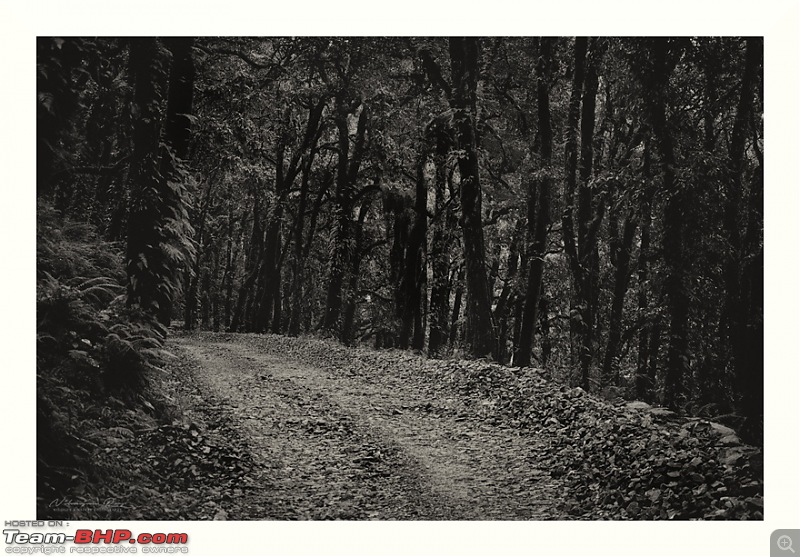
(281, 428)
(606, 461)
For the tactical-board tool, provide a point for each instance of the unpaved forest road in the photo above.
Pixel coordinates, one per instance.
(329, 445)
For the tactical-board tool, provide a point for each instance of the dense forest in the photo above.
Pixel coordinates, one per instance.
(589, 206)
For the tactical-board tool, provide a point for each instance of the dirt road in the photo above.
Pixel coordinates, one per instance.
(332, 445)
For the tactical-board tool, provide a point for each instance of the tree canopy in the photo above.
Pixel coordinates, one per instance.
(592, 206)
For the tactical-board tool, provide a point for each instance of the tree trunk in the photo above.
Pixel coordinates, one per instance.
(269, 279)
(571, 171)
(216, 294)
(193, 278)
(178, 128)
(149, 64)
(538, 220)
(440, 290)
(286, 170)
(346, 335)
(177, 134)
(419, 244)
(457, 305)
(341, 252)
(231, 254)
(190, 299)
(588, 221)
(480, 332)
(205, 301)
(252, 266)
(622, 275)
(656, 83)
(653, 350)
(414, 268)
(508, 297)
(347, 171)
(398, 269)
(544, 318)
(739, 306)
(644, 387)
(298, 264)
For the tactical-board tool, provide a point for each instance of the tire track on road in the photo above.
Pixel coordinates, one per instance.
(431, 457)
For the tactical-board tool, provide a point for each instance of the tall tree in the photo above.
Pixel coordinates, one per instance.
(581, 249)
(655, 74)
(288, 166)
(480, 332)
(177, 136)
(625, 141)
(346, 173)
(153, 259)
(645, 380)
(538, 207)
(440, 282)
(589, 214)
(742, 298)
(414, 270)
(571, 172)
(299, 262)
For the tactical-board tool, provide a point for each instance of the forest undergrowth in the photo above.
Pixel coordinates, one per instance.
(95, 365)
